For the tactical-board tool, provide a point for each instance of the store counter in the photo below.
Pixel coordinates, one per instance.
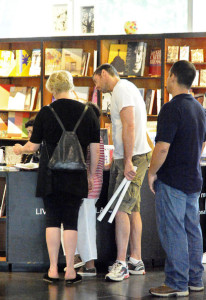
(25, 224)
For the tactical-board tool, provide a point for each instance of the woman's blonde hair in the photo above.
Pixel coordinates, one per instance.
(60, 81)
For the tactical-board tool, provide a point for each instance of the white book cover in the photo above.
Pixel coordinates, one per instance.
(81, 93)
(95, 60)
(17, 98)
(14, 129)
(158, 100)
(35, 68)
(106, 101)
(142, 92)
(196, 80)
(87, 64)
(3, 202)
(72, 60)
(33, 97)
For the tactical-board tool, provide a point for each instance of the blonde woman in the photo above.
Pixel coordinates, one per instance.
(61, 191)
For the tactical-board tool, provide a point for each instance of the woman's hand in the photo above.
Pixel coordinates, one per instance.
(17, 148)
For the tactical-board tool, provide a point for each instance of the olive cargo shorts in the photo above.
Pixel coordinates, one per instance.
(132, 198)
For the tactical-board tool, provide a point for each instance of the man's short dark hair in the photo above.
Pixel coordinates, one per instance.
(29, 123)
(107, 67)
(185, 72)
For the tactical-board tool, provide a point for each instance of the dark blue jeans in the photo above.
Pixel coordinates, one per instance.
(180, 234)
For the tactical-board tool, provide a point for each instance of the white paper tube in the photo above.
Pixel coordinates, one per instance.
(118, 190)
(120, 199)
(119, 202)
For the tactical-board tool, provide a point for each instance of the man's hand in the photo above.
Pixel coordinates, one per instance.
(151, 180)
(17, 148)
(129, 171)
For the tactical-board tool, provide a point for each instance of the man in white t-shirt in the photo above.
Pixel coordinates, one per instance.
(128, 115)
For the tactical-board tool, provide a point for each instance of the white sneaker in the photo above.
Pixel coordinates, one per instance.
(117, 273)
(136, 269)
(196, 288)
(204, 258)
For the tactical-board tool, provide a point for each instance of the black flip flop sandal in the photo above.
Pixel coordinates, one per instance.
(75, 280)
(50, 279)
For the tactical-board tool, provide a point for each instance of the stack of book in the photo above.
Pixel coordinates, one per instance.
(74, 60)
(19, 98)
(128, 59)
(15, 63)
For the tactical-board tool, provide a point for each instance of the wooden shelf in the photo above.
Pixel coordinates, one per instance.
(198, 87)
(14, 138)
(203, 63)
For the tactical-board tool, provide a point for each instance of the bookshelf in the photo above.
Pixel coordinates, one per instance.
(17, 77)
(194, 41)
(146, 81)
(88, 44)
(101, 44)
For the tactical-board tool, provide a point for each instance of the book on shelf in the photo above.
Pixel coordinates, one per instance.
(3, 202)
(197, 55)
(196, 80)
(81, 93)
(34, 94)
(38, 100)
(94, 96)
(17, 98)
(172, 54)
(27, 101)
(135, 61)
(200, 98)
(52, 60)
(184, 52)
(108, 154)
(95, 61)
(158, 100)
(72, 60)
(84, 61)
(3, 124)
(87, 64)
(106, 101)
(23, 62)
(24, 118)
(117, 57)
(142, 92)
(35, 69)
(4, 95)
(108, 126)
(155, 62)
(16, 124)
(203, 77)
(149, 100)
(104, 135)
(170, 97)
(7, 62)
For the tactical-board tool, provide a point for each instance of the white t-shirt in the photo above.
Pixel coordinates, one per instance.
(127, 94)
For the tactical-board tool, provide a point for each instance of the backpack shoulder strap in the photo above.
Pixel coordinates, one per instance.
(80, 119)
(57, 117)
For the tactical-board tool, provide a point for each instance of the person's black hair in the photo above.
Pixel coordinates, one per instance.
(95, 109)
(29, 123)
(185, 72)
(107, 67)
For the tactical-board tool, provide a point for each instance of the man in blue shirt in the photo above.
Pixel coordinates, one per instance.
(176, 180)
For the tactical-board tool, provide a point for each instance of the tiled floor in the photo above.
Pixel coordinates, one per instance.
(30, 286)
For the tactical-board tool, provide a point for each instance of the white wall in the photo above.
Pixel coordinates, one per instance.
(27, 18)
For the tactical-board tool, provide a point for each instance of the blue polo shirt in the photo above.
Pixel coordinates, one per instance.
(182, 124)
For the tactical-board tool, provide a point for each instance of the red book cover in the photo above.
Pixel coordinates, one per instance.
(155, 63)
